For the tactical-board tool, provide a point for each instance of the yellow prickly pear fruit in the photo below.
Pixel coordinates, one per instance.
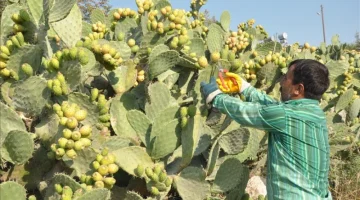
(215, 56)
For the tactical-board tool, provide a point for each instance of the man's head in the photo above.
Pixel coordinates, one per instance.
(305, 78)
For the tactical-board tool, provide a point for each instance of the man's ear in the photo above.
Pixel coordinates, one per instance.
(300, 89)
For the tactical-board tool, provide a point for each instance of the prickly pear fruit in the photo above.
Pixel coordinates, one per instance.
(5, 50)
(24, 15)
(83, 57)
(121, 36)
(168, 181)
(96, 165)
(103, 170)
(32, 197)
(99, 184)
(85, 130)
(148, 171)
(27, 69)
(203, 62)
(97, 176)
(109, 180)
(162, 176)
(73, 53)
(69, 111)
(60, 152)
(71, 153)
(58, 188)
(78, 145)
(192, 110)
(80, 115)
(57, 90)
(67, 191)
(113, 168)
(70, 144)
(62, 142)
(72, 123)
(75, 135)
(20, 37)
(215, 56)
(94, 94)
(154, 191)
(85, 141)
(131, 42)
(54, 63)
(139, 171)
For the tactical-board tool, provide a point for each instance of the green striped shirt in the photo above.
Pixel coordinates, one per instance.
(298, 147)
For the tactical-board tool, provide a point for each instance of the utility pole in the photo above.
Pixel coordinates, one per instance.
(322, 20)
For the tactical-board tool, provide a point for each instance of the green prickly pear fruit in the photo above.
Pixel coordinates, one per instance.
(24, 15)
(99, 157)
(121, 36)
(32, 197)
(5, 50)
(78, 145)
(56, 82)
(104, 118)
(75, 135)
(96, 165)
(192, 110)
(73, 53)
(104, 110)
(54, 63)
(83, 178)
(16, 18)
(85, 130)
(50, 84)
(72, 123)
(18, 28)
(86, 141)
(107, 57)
(105, 151)
(71, 153)
(94, 94)
(105, 49)
(183, 39)
(69, 111)
(67, 191)
(231, 57)
(99, 184)
(27, 69)
(162, 176)
(139, 171)
(103, 170)
(5, 72)
(62, 142)
(70, 144)
(203, 62)
(57, 90)
(79, 43)
(80, 115)
(60, 113)
(2, 65)
(56, 107)
(4, 56)
(60, 77)
(63, 121)
(14, 75)
(112, 52)
(60, 152)
(157, 169)
(148, 171)
(78, 193)
(236, 64)
(168, 181)
(51, 155)
(109, 159)
(154, 191)
(15, 41)
(113, 168)
(58, 188)
(183, 111)
(135, 49)
(20, 37)
(109, 180)
(67, 133)
(96, 176)
(215, 56)
(154, 178)
(54, 147)
(83, 57)
(131, 42)
(184, 121)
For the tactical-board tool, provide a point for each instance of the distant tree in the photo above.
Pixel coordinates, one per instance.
(2, 6)
(208, 19)
(355, 45)
(86, 6)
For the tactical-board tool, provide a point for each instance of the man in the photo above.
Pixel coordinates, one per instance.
(298, 147)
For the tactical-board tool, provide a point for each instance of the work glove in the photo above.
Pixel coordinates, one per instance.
(210, 90)
(231, 83)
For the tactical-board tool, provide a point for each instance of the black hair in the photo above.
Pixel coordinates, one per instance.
(313, 75)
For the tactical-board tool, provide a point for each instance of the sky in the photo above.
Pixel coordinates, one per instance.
(297, 18)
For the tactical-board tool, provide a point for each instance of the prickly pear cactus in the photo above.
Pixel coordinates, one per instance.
(115, 103)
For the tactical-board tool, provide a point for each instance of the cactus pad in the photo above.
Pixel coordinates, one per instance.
(140, 123)
(190, 138)
(71, 24)
(128, 158)
(97, 16)
(130, 195)
(344, 100)
(119, 107)
(125, 26)
(83, 101)
(157, 50)
(264, 48)
(11, 190)
(96, 194)
(354, 109)
(6, 22)
(215, 39)
(47, 128)
(191, 184)
(225, 20)
(10, 120)
(83, 161)
(72, 72)
(213, 156)
(123, 77)
(197, 46)
(159, 99)
(163, 62)
(122, 48)
(229, 175)
(31, 95)
(61, 9)
(17, 147)
(117, 142)
(235, 141)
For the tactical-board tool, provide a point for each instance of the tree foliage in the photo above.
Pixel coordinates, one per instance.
(87, 6)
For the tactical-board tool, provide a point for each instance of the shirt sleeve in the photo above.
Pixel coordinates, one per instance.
(253, 95)
(266, 117)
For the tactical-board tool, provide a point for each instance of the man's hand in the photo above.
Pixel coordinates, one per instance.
(232, 83)
(210, 90)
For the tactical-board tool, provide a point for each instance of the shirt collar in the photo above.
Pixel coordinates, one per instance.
(302, 101)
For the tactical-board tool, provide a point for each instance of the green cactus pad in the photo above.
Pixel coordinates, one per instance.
(204, 75)
(225, 20)
(6, 22)
(128, 158)
(191, 184)
(7, 92)
(31, 95)
(36, 10)
(170, 77)
(205, 137)
(356, 78)
(90, 68)
(96, 194)
(213, 156)
(71, 24)
(235, 141)
(229, 175)
(30, 54)
(72, 72)
(119, 107)
(10, 190)
(83, 101)
(86, 29)
(17, 147)
(215, 39)
(63, 180)
(197, 46)
(264, 48)
(344, 100)
(82, 164)
(152, 39)
(186, 80)
(122, 48)
(185, 62)
(163, 62)
(60, 10)
(165, 138)
(159, 99)
(123, 77)
(130, 195)
(10, 120)
(189, 138)
(354, 109)
(125, 26)
(336, 69)
(270, 72)
(47, 129)
(97, 15)
(116, 142)
(140, 123)
(157, 50)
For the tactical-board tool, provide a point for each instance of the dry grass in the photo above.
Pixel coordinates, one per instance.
(346, 188)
